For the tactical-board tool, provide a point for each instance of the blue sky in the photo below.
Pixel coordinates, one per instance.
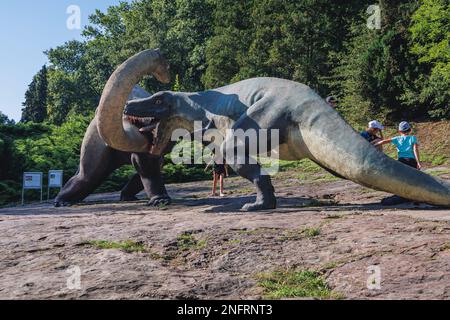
(27, 28)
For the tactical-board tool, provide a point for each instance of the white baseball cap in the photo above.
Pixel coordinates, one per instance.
(376, 125)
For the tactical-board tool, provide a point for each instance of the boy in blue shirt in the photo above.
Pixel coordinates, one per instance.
(407, 146)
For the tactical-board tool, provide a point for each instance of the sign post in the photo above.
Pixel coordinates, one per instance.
(31, 181)
(55, 180)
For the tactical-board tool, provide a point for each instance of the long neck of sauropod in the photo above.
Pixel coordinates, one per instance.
(115, 95)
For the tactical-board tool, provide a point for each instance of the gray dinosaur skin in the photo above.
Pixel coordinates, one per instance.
(98, 161)
(308, 128)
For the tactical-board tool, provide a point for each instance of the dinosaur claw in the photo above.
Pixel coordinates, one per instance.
(159, 201)
(59, 204)
(249, 207)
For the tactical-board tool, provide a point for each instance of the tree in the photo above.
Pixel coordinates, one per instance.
(4, 120)
(226, 49)
(36, 98)
(376, 72)
(430, 37)
(73, 86)
(287, 39)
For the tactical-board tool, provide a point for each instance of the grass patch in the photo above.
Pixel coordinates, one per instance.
(186, 241)
(298, 234)
(295, 284)
(438, 173)
(330, 265)
(234, 242)
(128, 245)
(439, 160)
(446, 246)
(162, 207)
(311, 232)
(304, 165)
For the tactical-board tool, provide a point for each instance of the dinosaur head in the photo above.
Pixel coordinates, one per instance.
(152, 116)
(112, 127)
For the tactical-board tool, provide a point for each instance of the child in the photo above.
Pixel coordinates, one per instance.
(219, 171)
(370, 134)
(407, 146)
(332, 102)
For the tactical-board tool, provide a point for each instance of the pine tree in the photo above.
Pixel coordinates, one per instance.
(36, 98)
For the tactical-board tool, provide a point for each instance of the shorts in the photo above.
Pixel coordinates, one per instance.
(409, 162)
(219, 169)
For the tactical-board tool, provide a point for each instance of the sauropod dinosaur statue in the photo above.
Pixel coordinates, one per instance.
(98, 160)
(308, 128)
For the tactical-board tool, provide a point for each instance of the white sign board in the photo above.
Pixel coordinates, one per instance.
(32, 180)
(55, 179)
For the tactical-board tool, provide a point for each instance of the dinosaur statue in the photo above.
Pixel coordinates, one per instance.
(98, 160)
(308, 128)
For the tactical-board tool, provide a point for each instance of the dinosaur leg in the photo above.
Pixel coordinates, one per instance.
(131, 189)
(90, 175)
(265, 198)
(149, 169)
(97, 161)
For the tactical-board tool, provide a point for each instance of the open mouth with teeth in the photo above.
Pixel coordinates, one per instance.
(147, 126)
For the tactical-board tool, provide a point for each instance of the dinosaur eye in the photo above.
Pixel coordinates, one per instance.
(158, 102)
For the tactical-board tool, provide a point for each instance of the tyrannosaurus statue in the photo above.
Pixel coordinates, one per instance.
(98, 160)
(308, 128)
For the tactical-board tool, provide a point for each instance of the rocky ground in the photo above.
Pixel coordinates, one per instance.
(205, 248)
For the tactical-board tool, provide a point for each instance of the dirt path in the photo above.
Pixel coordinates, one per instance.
(204, 247)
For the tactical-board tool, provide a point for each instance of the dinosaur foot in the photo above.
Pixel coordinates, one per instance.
(59, 204)
(159, 201)
(259, 206)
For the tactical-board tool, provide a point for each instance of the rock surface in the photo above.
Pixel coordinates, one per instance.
(41, 245)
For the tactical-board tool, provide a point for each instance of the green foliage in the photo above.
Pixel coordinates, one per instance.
(4, 120)
(430, 38)
(286, 39)
(58, 149)
(401, 71)
(35, 105)
(375, 73)
(177, 85)
(74, 86)
(11, 160)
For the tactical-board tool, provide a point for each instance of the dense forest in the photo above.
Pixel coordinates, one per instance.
(398, 70)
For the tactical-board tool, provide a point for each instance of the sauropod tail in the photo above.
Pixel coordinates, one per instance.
(336, 146)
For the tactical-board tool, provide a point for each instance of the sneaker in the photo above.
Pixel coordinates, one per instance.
(222, 194)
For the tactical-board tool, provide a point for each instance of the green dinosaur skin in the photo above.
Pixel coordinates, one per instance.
(308, 128)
